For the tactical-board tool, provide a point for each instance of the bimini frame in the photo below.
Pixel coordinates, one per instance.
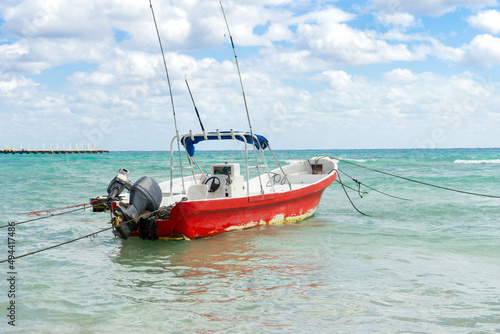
(244, 137)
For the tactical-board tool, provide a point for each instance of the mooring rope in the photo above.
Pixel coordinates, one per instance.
(381, 192)
(345, 191)
(57, 209)
(345, 185)
(73, 240)
(416, 181)
(45, 217)
(55, 214)
(58, 245)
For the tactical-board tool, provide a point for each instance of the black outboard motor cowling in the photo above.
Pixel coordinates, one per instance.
(145, 194)
(117, 185)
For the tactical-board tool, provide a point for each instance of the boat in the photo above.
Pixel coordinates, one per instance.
(229, 197)
(199, 205)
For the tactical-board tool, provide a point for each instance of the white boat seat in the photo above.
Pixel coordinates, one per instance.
(197, 192)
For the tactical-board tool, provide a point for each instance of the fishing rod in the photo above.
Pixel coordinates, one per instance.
(244, 97)
(238, 67)
(171, 95)
(194, 104)
(166, 68)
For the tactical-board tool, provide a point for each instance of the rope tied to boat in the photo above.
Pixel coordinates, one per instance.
(348, 187)
(349, 198)
(417, 181)
(359, 183)
(359, 187)
(49, 211)
(45, 217)
(146, 215)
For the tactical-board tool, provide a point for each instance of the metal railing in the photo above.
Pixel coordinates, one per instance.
(241, 136)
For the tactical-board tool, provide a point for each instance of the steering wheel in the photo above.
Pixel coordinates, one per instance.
(213, 184)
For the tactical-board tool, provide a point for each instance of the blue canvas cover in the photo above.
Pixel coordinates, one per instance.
(189, 143)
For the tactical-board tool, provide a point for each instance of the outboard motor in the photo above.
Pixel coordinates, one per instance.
(145, 194)
(117, 185)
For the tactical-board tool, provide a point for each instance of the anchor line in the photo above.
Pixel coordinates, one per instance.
(57, 209)
(349, 198)
(45, 217)
(359, 183)
(345, 185)
(58, 245)
(420, 182)
(93, 234)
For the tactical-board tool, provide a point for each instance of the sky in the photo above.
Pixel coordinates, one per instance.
(316, 74)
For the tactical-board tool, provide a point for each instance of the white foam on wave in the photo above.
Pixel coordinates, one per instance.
(491, 161)
(358, 160)
(290, 161)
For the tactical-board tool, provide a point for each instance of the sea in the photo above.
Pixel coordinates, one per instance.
(404, 257)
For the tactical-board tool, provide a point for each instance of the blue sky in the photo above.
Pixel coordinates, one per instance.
(317, 74)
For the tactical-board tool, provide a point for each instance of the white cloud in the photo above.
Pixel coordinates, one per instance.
(343, 44)
(488, 21)
(278, 32)
(399, 20)
(482, 52)
(123, 68)
(328, 15)
(278, 49)
(54, 18)
(34, 56)
(408, 105)
(428, 7)
(10, 86)
(338, 79)
(400, 75)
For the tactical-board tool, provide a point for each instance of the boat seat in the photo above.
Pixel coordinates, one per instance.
(197, 192)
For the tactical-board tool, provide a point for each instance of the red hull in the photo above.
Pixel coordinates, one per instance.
(198, 219)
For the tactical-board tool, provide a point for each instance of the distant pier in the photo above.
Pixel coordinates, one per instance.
(81, 151)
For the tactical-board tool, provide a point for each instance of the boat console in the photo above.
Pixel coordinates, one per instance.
(225, 181)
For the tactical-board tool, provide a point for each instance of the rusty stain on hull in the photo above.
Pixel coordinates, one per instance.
(276, 220)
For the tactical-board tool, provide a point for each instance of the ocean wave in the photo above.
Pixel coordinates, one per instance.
(358, 160)
(491, 161)
(290, 161)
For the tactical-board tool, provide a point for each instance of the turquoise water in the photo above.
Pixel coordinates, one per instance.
(430, 265)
